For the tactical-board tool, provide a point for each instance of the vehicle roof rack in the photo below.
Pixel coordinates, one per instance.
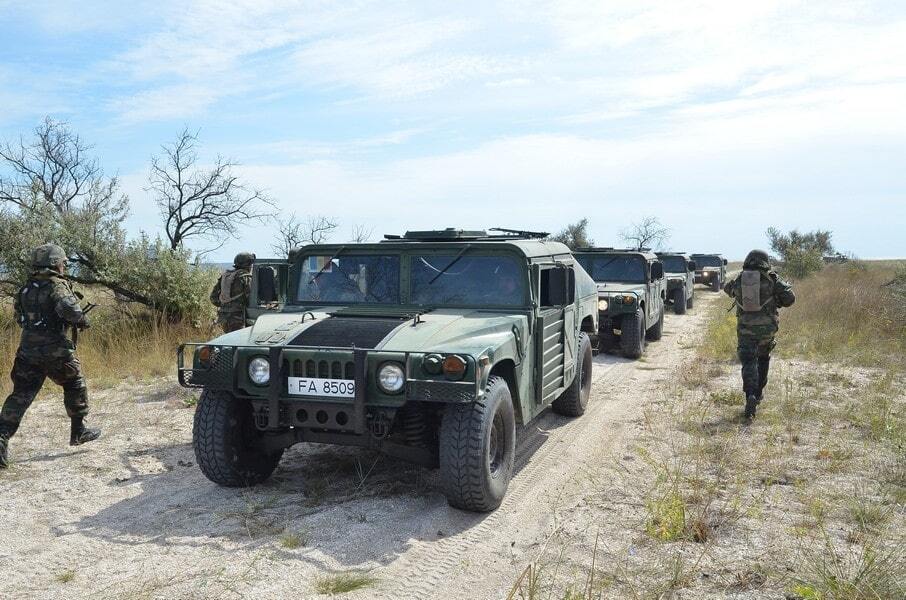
(452, 234)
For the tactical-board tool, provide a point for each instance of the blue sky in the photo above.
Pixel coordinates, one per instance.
(721, 118)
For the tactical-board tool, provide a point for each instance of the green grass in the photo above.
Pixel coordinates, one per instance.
(65, 576)
(342, 583)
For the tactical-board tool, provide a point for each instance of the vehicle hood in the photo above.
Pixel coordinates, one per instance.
(676, 276)
(609, 289)
(447, 330)
(711, 269)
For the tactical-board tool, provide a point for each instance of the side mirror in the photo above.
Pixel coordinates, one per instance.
(657, 270)
(267, 285)
(692, 265)
(555, 288)
(725, 262)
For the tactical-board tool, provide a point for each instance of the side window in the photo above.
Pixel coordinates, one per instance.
(558, 287)
(267, 285)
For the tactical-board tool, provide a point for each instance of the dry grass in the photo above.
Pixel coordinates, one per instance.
(342, 583)
(118, 346)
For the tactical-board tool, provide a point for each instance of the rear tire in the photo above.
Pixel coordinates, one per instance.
(478, 448)
(223, 435)
(573, 401)
(632, 336)
(657, 330)
(679, 301)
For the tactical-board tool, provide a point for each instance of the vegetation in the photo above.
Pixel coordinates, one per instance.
(801, 253)
(342, 583)
(647, 233)
(575, 235)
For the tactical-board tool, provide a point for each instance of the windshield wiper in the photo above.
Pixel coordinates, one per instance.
(327, 264)
(450, 264)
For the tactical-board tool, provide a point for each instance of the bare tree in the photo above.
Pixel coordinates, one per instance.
(195, 202)
(361, 234)
(55, 170)
(294, 232)
(647, 233)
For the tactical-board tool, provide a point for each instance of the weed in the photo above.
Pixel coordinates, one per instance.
(342, 583)
(65, 576)
(867, 515)
(291, 541)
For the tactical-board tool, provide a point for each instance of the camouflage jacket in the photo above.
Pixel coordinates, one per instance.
(231, 292)
(45, 307)
(764, 323)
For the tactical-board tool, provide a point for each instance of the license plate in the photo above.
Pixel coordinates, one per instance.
(314, 386)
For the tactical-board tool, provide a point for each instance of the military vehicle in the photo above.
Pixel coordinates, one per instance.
(680, 270)
(710, 270)
(429, 347)
(631, 294)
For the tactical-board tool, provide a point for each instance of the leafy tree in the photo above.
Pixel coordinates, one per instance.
(575, 235)
(801, 254)
(647, 233)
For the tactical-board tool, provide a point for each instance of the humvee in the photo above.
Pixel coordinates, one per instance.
(429, 347)
(711, 270)
(680, 271)
(631, 295)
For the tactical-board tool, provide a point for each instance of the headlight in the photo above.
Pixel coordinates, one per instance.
(602, 305)
(391, 378)
(433, 364)
(259, 371)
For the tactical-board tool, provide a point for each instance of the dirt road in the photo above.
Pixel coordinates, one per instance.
(132, 516)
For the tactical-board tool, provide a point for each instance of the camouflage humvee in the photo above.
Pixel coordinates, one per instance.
(430, 347)
(711, 270)
(680, 270)
(631, 295)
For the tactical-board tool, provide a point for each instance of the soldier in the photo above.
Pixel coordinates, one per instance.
(231, 293)
(45, 307)
(758, 293)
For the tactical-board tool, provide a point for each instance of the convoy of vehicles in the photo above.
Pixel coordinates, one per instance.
(631, 294)
(430, 347)
(710, 270)
(680, 270)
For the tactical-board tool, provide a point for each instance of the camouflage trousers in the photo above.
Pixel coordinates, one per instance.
(755, 356)
(231, 321)
(29, 374)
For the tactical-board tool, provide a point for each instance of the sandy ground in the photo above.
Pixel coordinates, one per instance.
(131, 516)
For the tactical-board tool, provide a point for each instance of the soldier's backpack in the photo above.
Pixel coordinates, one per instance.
(226, 286)
(750, 291)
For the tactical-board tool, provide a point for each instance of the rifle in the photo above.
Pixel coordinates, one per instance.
(75, 328)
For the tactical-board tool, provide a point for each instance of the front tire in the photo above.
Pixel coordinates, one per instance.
(478, 448)
(715, 284)
(657, 330)
(632, 335)
(679, 301)
(573, 401)
(691, 301)
(223, 436)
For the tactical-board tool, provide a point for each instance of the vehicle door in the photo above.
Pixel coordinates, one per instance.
(690, 277)
(269, 288)
(655, 287)
(555, 339)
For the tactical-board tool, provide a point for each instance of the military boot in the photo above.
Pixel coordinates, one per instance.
(751, 405)
(79, 434)
(4, 449)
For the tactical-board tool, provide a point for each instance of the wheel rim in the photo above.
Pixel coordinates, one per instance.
(496, 445)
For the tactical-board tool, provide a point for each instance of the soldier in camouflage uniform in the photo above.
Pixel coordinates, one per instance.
(45, 307)
(231, 293)
(758, 293)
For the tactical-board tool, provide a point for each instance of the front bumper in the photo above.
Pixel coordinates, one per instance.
(275, 408)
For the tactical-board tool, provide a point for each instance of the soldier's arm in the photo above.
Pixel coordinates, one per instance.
(67, 305)
(17, 308)
(783, 292)
(215, 293)
(730, 288)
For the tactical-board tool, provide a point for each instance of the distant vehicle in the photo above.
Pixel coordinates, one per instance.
(835, 258)
(680, 271)
(429, 347)
(631, 295)
(710, 270)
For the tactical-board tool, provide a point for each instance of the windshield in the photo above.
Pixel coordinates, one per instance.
(674, 264)
(708, 261)
(350, 278)
(470, 280)
(609, 267)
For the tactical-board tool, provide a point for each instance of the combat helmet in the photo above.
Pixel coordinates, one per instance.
(757, 259)
(244, 260)
(47, 256)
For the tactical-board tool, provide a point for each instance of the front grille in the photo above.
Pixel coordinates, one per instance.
(218, 376)
(342, 332)
(325, 369)
(440, 391)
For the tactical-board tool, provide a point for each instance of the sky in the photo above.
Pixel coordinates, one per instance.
(720, 118)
